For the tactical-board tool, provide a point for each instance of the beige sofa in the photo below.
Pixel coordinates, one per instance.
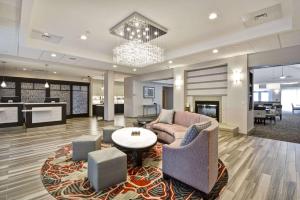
(196, 163)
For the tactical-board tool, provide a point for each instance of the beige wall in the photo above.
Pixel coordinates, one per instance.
(98, 84)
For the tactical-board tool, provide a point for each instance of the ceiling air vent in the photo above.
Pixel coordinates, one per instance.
(262, 16)
(48, 37)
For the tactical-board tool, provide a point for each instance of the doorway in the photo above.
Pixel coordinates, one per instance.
(167, 98)
(276, 102)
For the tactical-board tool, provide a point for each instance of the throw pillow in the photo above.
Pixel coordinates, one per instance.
(193, 131)
(166, 116)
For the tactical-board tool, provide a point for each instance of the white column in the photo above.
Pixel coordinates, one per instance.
(109, 107)
(237, 95)
(178, 94)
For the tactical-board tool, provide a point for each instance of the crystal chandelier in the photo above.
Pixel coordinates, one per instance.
(138, 49)
(138, 54)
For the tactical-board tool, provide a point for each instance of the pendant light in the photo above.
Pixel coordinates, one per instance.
(3, 83)
(282, 76)
(46, 84)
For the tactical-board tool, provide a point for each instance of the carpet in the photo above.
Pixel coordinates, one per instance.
(288, 129)
(66, 179)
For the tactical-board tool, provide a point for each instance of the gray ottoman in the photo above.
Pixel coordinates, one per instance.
(106, 168)
(85, 144)
(107, 132)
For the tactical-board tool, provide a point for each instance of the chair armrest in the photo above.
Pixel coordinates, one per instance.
(149, 125)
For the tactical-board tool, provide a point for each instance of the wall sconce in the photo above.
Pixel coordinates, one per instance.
(178, 82)
(236, 76)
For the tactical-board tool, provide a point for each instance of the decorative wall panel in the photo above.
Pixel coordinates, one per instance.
(33, 96)
(207, 81)
(64, 96)
(9, 90)
(26, 85)
(33, 92)
(80, 99)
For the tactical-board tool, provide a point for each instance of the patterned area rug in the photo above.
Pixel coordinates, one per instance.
(65, 179)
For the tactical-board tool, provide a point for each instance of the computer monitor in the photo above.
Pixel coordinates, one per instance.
(51, 100)
(10, 99)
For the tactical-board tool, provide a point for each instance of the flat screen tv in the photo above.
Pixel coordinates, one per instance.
(11, 99)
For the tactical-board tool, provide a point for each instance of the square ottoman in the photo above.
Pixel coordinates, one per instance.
(107, 132)
(85, 144)
(107, 167)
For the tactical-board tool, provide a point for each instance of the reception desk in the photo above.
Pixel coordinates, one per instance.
(44, 114)
(11, 114)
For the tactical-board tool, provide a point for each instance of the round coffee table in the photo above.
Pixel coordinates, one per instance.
(124, 139)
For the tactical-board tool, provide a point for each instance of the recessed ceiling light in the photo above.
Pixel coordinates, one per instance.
(139, 36)
(121, 33)
(147, 29)
(24, 69)
(215, 51)
(134, 70)
(170, 62)
(128, 29)
(138, 30)
(155, 33)
(147, 37)
(132, 33)
(213, 16)
(54, 72)
(144, 33)
(53, 55)
(83, 37)
(136, 24)
(114, 66)
(130, 37)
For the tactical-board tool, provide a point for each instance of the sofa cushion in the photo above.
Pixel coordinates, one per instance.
(186, 118)
(166, 116)
(169, 128)
(180, 135)
(193, 131)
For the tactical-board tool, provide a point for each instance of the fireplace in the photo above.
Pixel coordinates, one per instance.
(209, 108)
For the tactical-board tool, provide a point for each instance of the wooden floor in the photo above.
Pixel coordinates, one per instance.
(258, 168)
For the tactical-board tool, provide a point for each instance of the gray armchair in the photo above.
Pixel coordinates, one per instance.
(195, 164)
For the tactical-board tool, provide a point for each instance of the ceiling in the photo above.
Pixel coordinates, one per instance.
(190, 39)
(272, 74)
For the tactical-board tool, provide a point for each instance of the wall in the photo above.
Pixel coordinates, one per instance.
(133, 91)
(284, 56)
(234, 104)
(98, 84)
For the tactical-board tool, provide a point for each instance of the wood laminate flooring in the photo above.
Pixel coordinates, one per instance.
(258, 168)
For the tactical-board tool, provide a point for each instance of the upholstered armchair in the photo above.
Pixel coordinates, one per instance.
(195, 164)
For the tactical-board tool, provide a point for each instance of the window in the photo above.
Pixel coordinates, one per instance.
(290, 96)
(264, 96)
(255, 96)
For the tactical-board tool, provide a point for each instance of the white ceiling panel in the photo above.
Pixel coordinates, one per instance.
(47, 56)
(30, 53)
(71, 60)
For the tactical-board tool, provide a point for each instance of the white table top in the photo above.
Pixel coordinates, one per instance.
(123, 138)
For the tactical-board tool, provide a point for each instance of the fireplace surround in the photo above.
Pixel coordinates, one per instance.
(209, 108)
